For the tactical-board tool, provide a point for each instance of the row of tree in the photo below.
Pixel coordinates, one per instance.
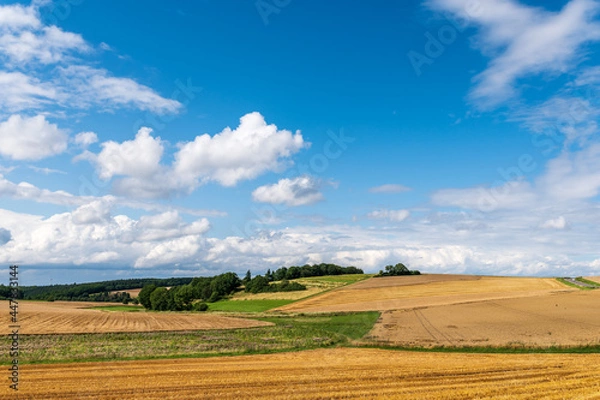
(307, 270)
(192, 296)
(260, 284)
(95, 291)
(397, 270)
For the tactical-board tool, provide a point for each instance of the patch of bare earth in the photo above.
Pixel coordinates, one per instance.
(77, 317)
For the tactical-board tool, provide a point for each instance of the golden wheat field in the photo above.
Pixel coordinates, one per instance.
(321, 374)
(76, 317)
(560, 319)
(406, 292)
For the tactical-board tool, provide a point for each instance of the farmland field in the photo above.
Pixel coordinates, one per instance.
(339, 373)
(562, 319)
(407, 292)
(76, 317)
(314, 285)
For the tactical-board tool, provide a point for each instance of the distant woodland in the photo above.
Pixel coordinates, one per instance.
(183, 293)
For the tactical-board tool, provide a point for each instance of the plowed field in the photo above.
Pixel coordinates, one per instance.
(320, 374)
(76, 317)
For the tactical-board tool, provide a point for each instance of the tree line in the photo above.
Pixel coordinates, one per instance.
(195, 295)
(94, 291)
(397, 270)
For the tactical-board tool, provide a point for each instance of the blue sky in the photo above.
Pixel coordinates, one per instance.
(192, 138)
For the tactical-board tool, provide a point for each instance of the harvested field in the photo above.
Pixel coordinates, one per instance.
(593, 278)
(320, 374)
(407, 292)
(563, 319)
(76, 317)
(132, 292)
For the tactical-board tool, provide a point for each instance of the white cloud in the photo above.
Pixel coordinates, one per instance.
(90, 234)
(25, 44)
(294, 192)
(556, 223)
(227, 158)
(84, 139)
(48, 46)
(563, 114)
(508, 195)
(23, 138)
(573, 175)
(390, 215)
(5, 236)
(20, 92)
(239, 154)
(46, 171)
(16, 16)
(27, 191)
(524, 41)
(139, 158)
(95, 212)
(389, 188)
(87, 86)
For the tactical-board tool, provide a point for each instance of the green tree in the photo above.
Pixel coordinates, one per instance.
(182, 297)
(258, 284)
(247, 278)
(144, 296)
(159, 299)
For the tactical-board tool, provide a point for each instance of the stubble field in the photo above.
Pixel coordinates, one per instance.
(561, 319)
(407, 292)
(76, 317)
(321, 374)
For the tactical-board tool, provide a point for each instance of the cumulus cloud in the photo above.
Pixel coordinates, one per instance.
(389, 188)
(390, 215)
(138, 158)
(228, 157)
(299, 191)
(523, 41)
(5, 236)
(91, 234)
(84, 139)
(17, 16)
(23, 138)
(232, 155)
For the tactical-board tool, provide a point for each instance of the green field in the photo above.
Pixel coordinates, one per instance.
(247, 305)
(287, 334)
(347, 279)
